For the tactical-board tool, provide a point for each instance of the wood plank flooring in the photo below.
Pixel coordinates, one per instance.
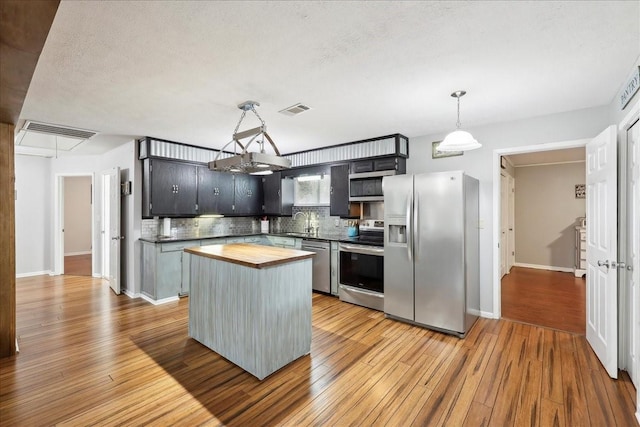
(77, 265)
(89, 357)
(551, 299)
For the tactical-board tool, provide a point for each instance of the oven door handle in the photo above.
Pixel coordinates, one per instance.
(363, 251)
(358, 291)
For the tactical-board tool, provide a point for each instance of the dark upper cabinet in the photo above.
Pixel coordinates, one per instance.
(248, 195)
(215, 192)
(339, 193)
(396, 163)
(170, 187)
(278, 194)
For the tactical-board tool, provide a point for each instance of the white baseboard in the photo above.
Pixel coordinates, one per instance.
(131, 294)
(544, 267)
(97, 276)
(34, 273)
(488, 315)
(77, 253)
(159, 301)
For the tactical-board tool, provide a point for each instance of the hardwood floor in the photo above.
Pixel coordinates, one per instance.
(77, 265)
(89, 357)
(545, 298)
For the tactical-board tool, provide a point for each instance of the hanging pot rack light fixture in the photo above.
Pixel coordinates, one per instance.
(245, 161)
(459, 140)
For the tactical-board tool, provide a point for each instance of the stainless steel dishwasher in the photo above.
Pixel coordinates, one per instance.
(321, 264)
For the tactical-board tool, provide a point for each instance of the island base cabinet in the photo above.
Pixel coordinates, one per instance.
(260, 320)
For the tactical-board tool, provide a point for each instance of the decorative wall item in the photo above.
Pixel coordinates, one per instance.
(435, 154)
(580, 191)
(630, 88)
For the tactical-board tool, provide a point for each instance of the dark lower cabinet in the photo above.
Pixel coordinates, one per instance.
(248, 195)
(215, 192)
(170, 188)
(339, 193)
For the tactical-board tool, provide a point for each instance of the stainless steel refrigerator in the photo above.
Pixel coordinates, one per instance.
(431, 255)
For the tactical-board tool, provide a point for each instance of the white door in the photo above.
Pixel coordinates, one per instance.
(602, 235)
(632, 272)
(511, 256)
(111, 216)
(504, 224)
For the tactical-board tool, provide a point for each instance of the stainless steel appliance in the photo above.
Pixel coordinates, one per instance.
(367, 187)
(361, 273)
(431, 250)
(321, 280)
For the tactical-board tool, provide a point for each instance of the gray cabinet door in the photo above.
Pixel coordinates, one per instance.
(278, 194)
(248, 195)
(173, 188)
(215, 192)
(339, 193)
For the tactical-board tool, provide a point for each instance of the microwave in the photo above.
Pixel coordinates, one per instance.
(367, 187)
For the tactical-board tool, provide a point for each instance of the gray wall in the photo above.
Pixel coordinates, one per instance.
(545, 213)
(572, 125)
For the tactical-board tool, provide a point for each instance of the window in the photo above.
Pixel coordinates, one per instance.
(311, 190)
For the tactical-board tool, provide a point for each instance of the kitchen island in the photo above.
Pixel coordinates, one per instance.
(251, 304)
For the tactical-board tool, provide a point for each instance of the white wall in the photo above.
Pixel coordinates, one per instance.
(478, 163)
(33, 228)
(35, 214)
(77, 215)
(125, 157)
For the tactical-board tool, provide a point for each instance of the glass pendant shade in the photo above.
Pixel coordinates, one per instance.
(459, 140)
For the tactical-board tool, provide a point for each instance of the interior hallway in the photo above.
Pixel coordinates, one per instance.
(551, 299)
(77, 265)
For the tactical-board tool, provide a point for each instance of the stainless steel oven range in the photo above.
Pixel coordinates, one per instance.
(361, 273)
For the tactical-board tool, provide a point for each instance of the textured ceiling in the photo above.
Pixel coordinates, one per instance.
(177, 70)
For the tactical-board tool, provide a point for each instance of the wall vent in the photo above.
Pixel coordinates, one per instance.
(50, 129)
(295, 109)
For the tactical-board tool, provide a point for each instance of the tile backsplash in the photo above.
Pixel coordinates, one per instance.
(204, 226)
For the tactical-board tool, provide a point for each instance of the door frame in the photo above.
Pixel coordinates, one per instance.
(497, 286)
(632, 116)
(58, 221)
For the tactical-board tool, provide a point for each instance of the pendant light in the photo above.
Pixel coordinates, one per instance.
(255, 163)
(459, 140)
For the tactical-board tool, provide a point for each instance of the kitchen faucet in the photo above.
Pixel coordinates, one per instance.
(308, 229)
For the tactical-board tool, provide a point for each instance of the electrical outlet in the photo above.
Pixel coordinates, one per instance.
(337, 222)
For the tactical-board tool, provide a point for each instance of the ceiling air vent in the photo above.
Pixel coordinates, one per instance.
(295, 109)
(65, 131)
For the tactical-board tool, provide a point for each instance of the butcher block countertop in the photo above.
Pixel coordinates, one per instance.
(249, 254)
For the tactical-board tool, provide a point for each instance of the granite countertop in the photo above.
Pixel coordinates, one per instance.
(250, 255)
(320, 236)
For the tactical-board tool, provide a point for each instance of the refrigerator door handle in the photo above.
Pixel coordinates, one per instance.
(416, 223)
(409, 228)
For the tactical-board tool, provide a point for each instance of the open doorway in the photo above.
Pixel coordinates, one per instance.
(547, 208)
(77, 234)
(73, 235)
